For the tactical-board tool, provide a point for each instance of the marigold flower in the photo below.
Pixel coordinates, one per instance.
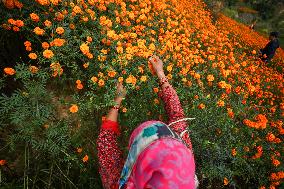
(143, 78)
(94, 79)
(48, 53)
(19, 23)
(34, 17)
(39, 31)
(74, 108)
(234, 152)
(226, 181)
(57, 69)
(57, 42)
(33, 69)
(79, 86)
(77, 9)
(2, 162)
(210, 78)
(84, 48)
(45, 45)
(9, 71)
(33, 56)
(16, 29)
(112, 73)
(47, 23)
(60, 30)
(85, 158)
(221, 103)
(120, 79)
(101, 83)
(201, 106)
(124, 110)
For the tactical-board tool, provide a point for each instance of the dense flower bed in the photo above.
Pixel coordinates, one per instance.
(78, 50)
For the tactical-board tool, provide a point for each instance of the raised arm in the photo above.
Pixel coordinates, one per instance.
(109, 154)
(171, 101)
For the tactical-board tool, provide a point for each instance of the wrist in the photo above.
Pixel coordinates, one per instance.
(161, 74)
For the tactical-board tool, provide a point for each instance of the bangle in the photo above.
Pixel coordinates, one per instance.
(163, 81)
(116, 107)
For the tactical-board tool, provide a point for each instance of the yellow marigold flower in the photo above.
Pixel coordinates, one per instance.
(74, 108)
(120, 79)
(143, 78)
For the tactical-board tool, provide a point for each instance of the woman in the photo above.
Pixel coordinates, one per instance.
(160, 156)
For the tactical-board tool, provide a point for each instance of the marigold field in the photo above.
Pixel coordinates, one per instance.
(58, 88)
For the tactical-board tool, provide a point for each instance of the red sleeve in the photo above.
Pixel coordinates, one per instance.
(109, 154)
(175, 112)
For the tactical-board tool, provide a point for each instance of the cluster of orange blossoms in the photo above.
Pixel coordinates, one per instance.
(260, 122)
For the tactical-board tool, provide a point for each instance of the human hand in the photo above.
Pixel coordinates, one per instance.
(157, 65)
(120, 92)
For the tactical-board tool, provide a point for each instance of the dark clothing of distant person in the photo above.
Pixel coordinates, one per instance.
(269, 50)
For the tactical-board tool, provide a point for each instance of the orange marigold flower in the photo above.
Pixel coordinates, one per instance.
(112, 73)
(84, 48)
(226, 181)
(89, 39)
(201, 106)
(33, 69)
(101, 83)
(39, 31)
(60, 30)
(57, 70)
(270, 137)
(9, 71)
(45, 45)
(253, 52)
(33, 56)
(86, 65)
(156, 90)
(94, 79)
(57, 42)
(221, 103)
(77, 10)
(124, 110)
(27, 44)
(47, 23)
(48, 53)
(2, 162)
(16, 29)
(210, 78)
(80, 86)
(19, 23)
(234, 152)
(34, 17)
(74, 108)
(85, 158)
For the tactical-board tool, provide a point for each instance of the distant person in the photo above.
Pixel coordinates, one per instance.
(268, 52)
